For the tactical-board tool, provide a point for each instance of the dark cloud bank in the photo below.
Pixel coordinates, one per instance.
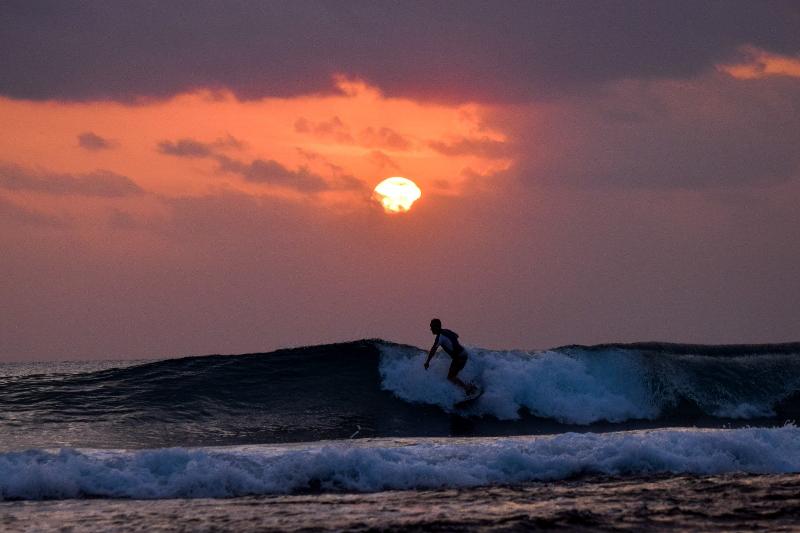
(716, 133)
(465, 50)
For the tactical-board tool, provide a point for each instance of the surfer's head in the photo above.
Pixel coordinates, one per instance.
(436, 325)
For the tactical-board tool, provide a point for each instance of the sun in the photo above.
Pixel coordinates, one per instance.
(397, 194)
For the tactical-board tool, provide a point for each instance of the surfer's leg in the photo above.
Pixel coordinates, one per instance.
(456, 381)
(455, 367)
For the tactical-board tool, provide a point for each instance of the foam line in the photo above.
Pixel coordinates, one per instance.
(384, 464)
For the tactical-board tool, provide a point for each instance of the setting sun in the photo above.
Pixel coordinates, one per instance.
(397, 194)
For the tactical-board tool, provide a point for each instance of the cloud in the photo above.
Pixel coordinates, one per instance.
(263, 171)
(336, 130)
(273, 173)
(229, 141)
(185, 148)
(93, 142)
(382, 160)
(336, 170)
(714, 132)
(270, 172)
(128, 51)
(483, 147)
(333, 129)
(101, 183)
(383, 138)
(193, 148)
(11, 213)
(346, 182)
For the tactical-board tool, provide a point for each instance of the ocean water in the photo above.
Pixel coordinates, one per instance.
(358, 436)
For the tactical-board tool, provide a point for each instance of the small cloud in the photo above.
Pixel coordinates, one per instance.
(310, 156)
(273, 173)
(333, 129)
(270, 172)
(382, 160)
(483, 147)
(104, 183)
(185, 148)
(333, 125)
(347, 182)
(336, 130)
(319, 159)
(101, 183)
(266, 171)
(229, 141)
(384, 138)
(192, 148)
(92, 141)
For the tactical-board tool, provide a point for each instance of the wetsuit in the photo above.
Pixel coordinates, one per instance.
(448, 340)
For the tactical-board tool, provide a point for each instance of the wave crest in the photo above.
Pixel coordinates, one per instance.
(614, 383)
(384, 464)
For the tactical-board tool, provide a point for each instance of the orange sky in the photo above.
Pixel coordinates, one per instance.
(359, 133)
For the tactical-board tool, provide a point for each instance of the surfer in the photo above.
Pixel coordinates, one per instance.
(448, 340)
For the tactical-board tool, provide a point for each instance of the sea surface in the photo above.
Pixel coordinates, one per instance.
(358, 436)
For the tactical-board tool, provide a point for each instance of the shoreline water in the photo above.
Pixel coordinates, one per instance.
(707, 503)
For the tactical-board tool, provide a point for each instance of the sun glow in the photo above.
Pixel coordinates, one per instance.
(397, 194)
(315, 151)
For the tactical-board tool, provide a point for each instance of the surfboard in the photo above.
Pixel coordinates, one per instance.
(470, 399)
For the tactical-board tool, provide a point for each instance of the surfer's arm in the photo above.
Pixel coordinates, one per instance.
(432, 352)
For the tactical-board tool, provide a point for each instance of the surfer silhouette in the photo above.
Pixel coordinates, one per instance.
(448, 340)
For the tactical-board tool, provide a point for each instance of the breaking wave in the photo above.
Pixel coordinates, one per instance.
(374, 388)
(384, 464)
(615, 383)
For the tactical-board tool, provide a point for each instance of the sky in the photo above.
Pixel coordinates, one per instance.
(185, 178)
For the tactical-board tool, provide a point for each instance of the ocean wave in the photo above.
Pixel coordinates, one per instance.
(381, 464)
(614, 383)
(380, 389)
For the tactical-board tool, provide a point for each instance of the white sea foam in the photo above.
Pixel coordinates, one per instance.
(384, 464)
(578, 386)
(609, 386)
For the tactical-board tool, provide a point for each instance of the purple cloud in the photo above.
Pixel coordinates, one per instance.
(384, 138)
(101, 183)
(93, 142)
(185, 148)
(382, 160)
(331, 129)
(266, 171)
(193, 148)
(448, 50)
(484, 147)
(11, 213)
(715, 132)
(271, 172)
